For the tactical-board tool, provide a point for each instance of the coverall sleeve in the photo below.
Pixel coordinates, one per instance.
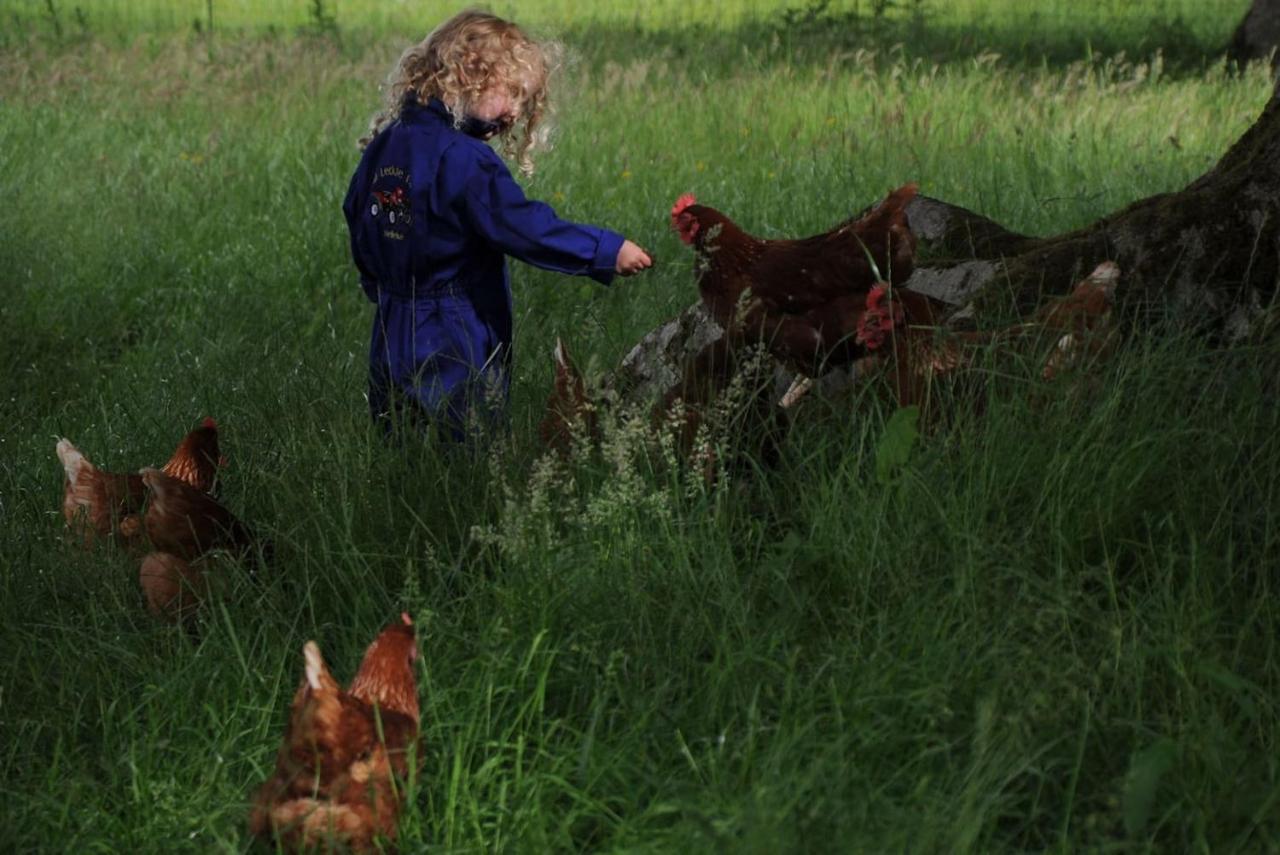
(352, 207)
(498, 210)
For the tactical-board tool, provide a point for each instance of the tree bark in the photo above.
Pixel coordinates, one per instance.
(1258, 34)
(1208, 254)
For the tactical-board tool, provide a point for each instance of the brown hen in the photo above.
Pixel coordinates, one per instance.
(1074, 328)
(803, 298)
(1081, 321)
(99, 504)
(340, 775)
(570, 412)
(700, 400)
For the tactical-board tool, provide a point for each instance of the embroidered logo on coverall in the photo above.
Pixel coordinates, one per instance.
(389, 201)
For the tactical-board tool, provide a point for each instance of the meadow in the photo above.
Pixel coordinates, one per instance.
(1052, 628)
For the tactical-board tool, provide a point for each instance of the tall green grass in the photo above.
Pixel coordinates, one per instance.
(1057, 19)
(1053, 628)
(1183, 29)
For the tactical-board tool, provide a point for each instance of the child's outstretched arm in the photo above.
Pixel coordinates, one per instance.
(498, 210)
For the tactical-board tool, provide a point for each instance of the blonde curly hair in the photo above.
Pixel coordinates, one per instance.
(465, 57)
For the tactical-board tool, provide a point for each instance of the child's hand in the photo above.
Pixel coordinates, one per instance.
(632, 259)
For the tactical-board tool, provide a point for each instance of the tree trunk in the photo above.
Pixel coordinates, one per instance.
(1258, 34)
(1207, 253)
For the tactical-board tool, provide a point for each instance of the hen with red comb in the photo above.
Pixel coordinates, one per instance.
(685, 227)
(802, 298)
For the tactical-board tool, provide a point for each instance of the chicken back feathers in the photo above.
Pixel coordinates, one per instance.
(339, 775)
(188, 523)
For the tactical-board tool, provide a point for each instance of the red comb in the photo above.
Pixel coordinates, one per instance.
(209, 422)
(404, 616)
(683, 202)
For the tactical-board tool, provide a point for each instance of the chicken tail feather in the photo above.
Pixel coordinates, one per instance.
(158, 487)
(891, 211)
(568, 379)
(73, 462)
(900, 198)
(318, 676)
(317, 707)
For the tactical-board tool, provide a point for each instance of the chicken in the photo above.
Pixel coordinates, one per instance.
(98, 504)
(1081, 320)
(1078, 325)
(570, 412)
(339, 777)
(898, 316)
(187, 523)
(173, 588)
(723, 390)
(801, 298)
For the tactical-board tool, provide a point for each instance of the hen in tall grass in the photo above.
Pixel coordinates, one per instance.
(339, 777)
(98, 504)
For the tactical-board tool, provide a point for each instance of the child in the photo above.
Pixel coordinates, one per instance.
(433, 212)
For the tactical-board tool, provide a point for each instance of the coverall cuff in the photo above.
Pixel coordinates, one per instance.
(605, 264)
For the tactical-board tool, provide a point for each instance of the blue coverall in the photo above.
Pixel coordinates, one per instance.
(433, 213)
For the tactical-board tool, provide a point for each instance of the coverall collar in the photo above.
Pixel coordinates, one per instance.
(434, 106)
